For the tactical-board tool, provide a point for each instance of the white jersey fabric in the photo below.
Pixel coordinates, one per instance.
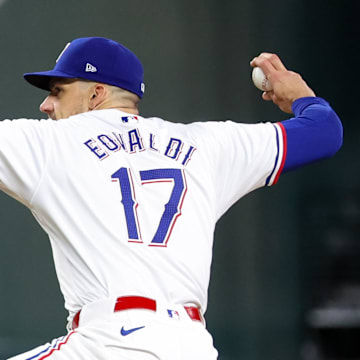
(130, 203)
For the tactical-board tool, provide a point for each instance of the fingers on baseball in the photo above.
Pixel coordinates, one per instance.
(275, 61)
(269, 63)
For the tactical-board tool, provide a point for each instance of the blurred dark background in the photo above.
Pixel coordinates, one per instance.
(286, 272)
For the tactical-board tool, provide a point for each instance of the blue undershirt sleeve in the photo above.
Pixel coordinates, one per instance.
(314, 133)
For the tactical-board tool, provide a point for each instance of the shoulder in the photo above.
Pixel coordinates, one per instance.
(191, 127)
(25, 126)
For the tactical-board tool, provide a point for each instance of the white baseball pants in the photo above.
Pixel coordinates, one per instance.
(137, 334)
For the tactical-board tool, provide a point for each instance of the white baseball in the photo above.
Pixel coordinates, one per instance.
(260, 80)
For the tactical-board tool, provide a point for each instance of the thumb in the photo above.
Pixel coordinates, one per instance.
(267, 95)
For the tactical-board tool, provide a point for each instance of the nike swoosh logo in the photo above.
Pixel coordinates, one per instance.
(129, 331)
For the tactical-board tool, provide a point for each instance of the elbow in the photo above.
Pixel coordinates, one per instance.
(335, 135)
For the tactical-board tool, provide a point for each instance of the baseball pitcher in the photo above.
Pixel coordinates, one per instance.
(130, 203)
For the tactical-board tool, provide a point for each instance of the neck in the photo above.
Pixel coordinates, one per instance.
(129, 108)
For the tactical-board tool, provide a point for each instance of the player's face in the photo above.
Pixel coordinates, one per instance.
(67, 97)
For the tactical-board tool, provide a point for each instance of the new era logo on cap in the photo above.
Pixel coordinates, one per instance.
(90, 68)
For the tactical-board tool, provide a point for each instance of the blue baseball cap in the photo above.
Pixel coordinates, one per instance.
(95, 59)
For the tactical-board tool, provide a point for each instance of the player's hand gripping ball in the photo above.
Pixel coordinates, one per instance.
(260, 80)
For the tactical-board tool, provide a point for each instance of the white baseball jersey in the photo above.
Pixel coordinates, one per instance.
(130, 203)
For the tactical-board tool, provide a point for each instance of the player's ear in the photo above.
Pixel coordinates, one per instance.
(97, 95)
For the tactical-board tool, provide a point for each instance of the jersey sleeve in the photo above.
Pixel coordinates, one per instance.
(24, 146)
(315, 133)
(244, 157)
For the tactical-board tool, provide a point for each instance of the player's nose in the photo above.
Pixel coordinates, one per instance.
(47, 106)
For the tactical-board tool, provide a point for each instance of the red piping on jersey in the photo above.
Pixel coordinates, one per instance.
(283, 132)
(58, 346)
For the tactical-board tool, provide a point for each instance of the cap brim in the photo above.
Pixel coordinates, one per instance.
(42, 79)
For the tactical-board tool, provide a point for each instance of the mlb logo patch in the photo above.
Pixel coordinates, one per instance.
(174, 314)
(126, 119)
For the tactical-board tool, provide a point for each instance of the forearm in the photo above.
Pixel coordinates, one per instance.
(315, 133)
